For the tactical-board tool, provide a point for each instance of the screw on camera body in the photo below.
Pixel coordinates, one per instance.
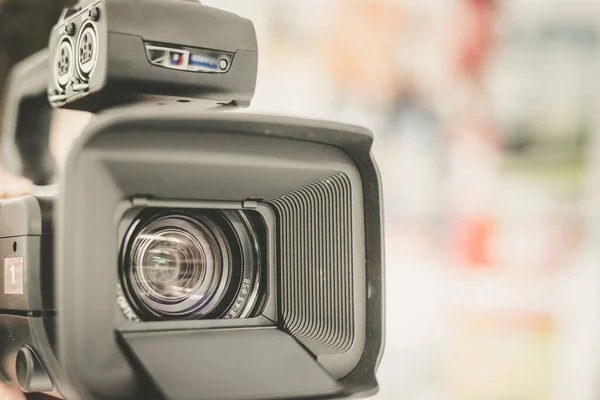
(94, 14)
(70, 29)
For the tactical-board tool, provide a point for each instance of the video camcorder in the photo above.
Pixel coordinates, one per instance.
(190, 254)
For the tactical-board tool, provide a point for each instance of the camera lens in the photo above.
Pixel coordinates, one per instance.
(177, 266)
(190, 266)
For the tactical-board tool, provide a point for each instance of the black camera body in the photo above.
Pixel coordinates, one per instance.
(28, 320)
(190, 255)
(116, 52)
(308, 192)
(111, 53)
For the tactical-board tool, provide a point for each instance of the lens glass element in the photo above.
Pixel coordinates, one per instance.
(177, 266)
(170, 264)
(180, 264)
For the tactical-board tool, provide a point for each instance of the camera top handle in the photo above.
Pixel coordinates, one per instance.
(26, 121)
(110, 53)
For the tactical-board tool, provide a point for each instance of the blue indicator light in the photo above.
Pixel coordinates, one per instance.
(202, 61)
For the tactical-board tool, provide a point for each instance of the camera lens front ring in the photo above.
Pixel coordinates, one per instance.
(177, 265)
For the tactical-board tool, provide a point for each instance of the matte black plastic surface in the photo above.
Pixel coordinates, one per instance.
(36, 253)
(185, 23)
(321, 255)
(25, 229)
(26, 121)
(26, 215)
(28, 319)
(229, 364)
(37, 333)
(123, 73)
(31, 373)
(192, 156)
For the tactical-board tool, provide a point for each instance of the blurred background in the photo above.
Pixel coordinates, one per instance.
(485, 114)
(488, 140)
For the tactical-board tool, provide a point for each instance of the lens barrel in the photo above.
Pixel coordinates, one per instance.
(191, 265)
